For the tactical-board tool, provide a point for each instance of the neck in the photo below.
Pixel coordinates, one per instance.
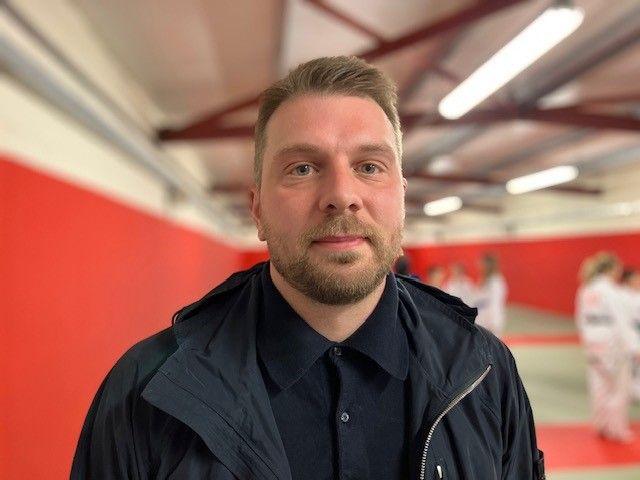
(334, 322)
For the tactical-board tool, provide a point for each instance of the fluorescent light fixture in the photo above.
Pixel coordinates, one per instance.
(442, 206)
(543, 179)
(441, 164)
(550, 28)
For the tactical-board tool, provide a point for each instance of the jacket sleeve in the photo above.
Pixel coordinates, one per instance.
(521, 458)
(106, 448)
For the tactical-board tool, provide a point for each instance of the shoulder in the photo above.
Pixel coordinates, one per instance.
(120, 392)
(118, 417)
(138, 364)
(133, 370)
(444, 315)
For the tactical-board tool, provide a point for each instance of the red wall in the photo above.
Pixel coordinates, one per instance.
(251, 257)
(82, 278)
(541, 273)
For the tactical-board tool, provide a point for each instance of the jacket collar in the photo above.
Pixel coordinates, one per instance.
(444, 339)
(213, 384)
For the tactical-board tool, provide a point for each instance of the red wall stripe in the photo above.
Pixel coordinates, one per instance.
(82, 278)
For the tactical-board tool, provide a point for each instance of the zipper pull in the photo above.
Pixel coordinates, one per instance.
(439, 471)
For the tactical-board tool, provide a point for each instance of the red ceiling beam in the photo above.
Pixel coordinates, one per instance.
(490, 209)
(564, 116)
(229, 188)
(581, 119)
(586, 103)
(429, 64)
(463, 17)
(447, 74)
(208, 126)
(202, 128)
(454, 178)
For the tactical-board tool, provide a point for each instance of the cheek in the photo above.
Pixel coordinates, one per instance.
(388, 207)
(285, 212)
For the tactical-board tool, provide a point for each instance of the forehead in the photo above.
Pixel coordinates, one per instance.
(328, 121)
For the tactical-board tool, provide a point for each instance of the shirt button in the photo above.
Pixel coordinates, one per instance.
(344, 417)
(337, 351)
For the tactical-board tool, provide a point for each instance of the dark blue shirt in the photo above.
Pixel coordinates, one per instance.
(342, 409)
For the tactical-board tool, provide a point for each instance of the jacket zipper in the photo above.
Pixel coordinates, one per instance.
(453, 403)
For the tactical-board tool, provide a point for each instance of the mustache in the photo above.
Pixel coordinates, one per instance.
(340, 226)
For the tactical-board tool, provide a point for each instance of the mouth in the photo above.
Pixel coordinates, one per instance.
(340, 242)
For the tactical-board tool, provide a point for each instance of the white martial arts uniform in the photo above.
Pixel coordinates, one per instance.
(491, 300)
(608, 340)
(463, 288)
(632, 299)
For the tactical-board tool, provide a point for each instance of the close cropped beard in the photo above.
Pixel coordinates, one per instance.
(321, 279)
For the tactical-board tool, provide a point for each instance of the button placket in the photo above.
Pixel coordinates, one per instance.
(347, 419)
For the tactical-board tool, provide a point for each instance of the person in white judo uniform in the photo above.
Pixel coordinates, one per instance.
(460, 285)
(435, 276)
(492, 296)
(608, 340)
(631, 288)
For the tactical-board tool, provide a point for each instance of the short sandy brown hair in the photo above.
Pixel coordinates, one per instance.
(350, 76)
(605, 262)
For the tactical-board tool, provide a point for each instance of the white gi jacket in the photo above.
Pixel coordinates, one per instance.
(491, 303)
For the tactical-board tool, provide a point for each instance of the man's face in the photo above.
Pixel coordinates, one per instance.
(331, 202)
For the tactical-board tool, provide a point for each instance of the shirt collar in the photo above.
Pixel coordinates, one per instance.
(288, 346)
(381, 337)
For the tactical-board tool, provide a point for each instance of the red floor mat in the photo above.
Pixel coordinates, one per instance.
(572, 446)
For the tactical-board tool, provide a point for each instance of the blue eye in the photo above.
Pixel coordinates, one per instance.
(369, 168)
(302, 170)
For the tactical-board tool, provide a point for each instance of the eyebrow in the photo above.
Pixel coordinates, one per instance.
(309, 149)
(297, 149)
(376, 148)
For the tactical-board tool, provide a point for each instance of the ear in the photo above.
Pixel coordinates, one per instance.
(254, 201)
(404, 183)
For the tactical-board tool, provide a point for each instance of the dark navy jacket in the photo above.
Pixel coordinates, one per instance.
(190, 402)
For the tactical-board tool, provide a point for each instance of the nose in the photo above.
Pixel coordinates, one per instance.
(339, 190)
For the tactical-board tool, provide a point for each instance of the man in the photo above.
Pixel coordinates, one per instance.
(321, 363)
